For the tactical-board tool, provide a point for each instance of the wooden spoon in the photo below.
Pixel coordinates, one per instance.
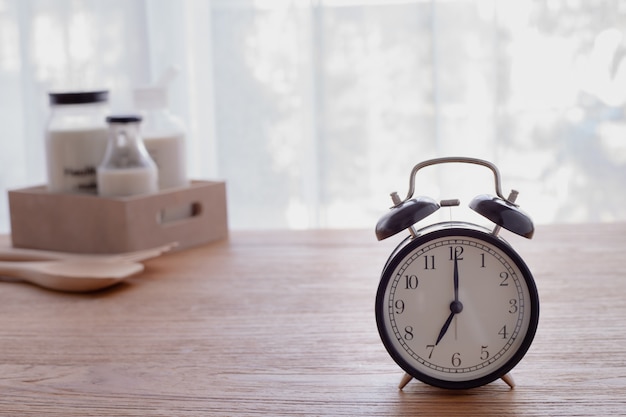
(71, 275)
(20, 254)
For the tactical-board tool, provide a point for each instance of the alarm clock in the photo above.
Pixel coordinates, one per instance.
(457, 307)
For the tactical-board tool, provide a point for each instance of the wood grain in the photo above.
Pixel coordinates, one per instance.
(282, 323)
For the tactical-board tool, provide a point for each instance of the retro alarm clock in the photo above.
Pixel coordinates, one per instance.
(456, 307)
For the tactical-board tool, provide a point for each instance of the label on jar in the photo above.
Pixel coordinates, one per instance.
(73, 156)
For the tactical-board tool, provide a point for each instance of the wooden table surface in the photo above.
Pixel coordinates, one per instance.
(282, 323)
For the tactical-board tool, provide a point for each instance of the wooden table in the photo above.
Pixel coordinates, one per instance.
(282, 323)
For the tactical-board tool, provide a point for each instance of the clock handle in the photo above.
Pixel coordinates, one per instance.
(457, 159)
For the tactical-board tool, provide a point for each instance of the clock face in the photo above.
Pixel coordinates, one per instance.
(457, 307)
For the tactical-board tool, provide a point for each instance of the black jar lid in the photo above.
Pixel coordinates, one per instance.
(124, 118)
(82, 97)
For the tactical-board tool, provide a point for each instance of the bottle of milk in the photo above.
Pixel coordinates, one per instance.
(164, 136)
(127, 168)
(76, 140)
(163, 133)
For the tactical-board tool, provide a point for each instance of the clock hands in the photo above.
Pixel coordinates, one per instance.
(455, 306)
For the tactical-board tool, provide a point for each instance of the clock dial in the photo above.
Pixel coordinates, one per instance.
(457, 307)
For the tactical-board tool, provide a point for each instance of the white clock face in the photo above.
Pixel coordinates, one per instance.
(455, 308)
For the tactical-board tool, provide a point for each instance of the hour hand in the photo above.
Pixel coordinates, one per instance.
(444, 329)
(455, 308)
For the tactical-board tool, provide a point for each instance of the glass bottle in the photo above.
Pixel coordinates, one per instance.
(164, 136)
(76, 140)
(127, 168)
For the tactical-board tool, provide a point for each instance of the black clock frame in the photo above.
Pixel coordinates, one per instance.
(449, 229)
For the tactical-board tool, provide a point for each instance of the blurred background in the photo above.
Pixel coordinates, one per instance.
(314, 111)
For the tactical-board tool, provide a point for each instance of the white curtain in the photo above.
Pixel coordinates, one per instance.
(313, 111)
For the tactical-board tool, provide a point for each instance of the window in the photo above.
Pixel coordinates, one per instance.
(313, 111)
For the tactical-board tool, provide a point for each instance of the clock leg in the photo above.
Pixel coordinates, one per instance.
(508, 378)
(405, 380)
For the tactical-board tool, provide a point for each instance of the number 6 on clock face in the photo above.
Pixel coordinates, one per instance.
(456, 307)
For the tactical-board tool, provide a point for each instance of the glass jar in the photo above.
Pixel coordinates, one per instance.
(127, 168)
(76, 139)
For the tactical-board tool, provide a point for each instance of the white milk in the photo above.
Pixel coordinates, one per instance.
(168, 153)
(72, 158)
(164, 137)
(127, 181)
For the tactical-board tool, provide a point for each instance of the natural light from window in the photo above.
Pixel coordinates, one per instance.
(314, 111)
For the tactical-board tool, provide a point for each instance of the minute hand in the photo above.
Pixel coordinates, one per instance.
(456, 280)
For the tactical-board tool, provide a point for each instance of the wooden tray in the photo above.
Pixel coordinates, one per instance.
(84, 223)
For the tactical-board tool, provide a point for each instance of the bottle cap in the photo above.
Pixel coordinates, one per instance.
(79, 97)
(124, 118)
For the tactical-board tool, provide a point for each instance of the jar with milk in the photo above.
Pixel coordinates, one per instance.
(127, 168)
(76, 140)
